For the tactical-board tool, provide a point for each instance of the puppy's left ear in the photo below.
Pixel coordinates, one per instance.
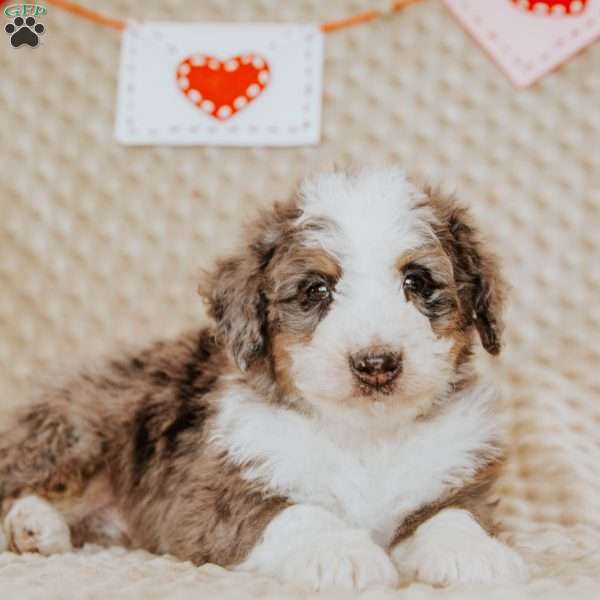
(480, 286)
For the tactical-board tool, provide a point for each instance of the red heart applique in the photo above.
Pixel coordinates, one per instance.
(552, 7)
(222, 88)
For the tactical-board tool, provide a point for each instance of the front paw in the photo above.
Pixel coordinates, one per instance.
(345, 559)
(459, 553)
(309, 546)
(33, 525)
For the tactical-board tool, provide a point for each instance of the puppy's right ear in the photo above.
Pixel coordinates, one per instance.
(235, 290)
(236, 301)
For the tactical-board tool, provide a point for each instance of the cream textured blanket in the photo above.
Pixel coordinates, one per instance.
(101, 245)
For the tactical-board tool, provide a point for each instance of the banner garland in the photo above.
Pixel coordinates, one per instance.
(329, 26)
(261, 84)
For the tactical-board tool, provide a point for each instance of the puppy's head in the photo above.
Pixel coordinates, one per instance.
(362, 289)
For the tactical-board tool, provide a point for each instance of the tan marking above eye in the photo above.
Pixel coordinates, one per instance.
(322, 262)
(298, 261)
(430, 256)
(431, 249)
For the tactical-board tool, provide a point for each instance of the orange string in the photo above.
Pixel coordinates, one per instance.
(119, 24)
(87, 13)
(364, 17)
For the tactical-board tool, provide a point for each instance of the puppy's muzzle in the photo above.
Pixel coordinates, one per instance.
(375, 367)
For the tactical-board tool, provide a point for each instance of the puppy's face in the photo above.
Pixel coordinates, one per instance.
(365, 290)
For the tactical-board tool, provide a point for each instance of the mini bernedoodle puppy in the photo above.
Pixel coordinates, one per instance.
(329, 430)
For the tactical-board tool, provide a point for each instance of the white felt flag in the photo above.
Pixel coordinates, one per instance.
(233, 84)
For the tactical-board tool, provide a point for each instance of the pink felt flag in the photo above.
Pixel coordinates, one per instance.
(529, 38)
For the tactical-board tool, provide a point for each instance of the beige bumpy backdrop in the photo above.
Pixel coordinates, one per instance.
(101, 245)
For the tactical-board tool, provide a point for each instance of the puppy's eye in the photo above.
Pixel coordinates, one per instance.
(418, 282)
(318, 292)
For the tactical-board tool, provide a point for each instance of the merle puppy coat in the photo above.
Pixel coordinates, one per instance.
(328, 428)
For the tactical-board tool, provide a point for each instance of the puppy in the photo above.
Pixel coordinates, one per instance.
(329, 430)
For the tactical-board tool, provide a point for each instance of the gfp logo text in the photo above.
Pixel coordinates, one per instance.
(25, 10)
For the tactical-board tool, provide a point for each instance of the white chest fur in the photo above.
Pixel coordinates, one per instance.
(373, 482)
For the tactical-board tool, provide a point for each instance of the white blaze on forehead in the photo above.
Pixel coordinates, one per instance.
(376, 215)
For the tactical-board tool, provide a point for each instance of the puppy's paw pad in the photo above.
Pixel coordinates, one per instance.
(349, 560)
(32, 525)
(483, 561)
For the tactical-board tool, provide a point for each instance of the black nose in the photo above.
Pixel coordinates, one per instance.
(376, 367)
